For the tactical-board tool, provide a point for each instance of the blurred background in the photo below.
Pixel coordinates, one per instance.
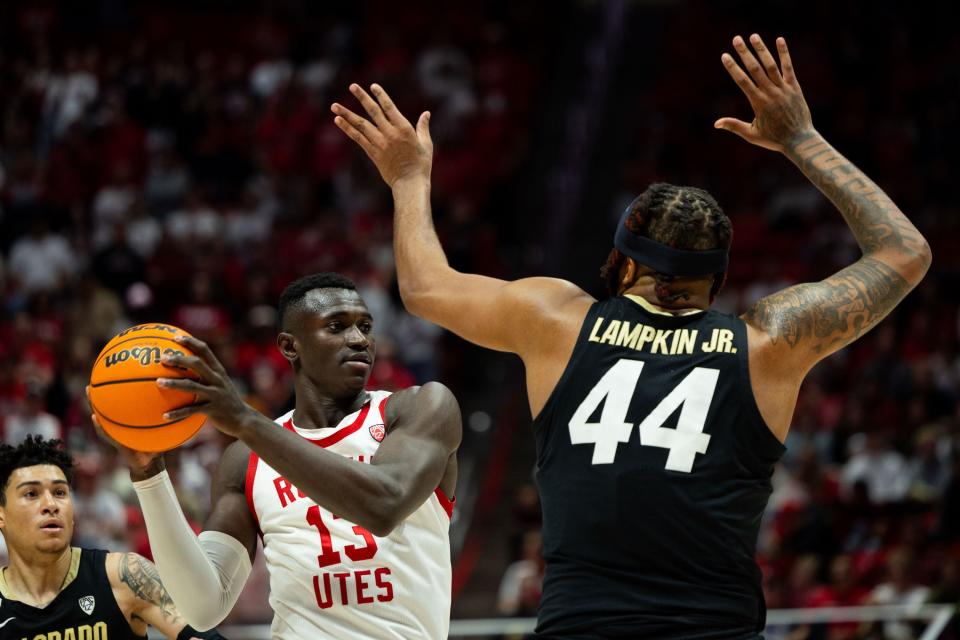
(177, 162)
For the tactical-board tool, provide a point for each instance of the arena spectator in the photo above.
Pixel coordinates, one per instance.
(899, 588)
(879, 465)
(42, 260)
(117, 264)
(519, 592)
(196, 222)
(167, 181)
(30, 418)
(111, 205)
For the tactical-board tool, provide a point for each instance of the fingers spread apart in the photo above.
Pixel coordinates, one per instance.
(763, 76)
(742, 79)
(185, 412)
(389, 108)
(766, 59)
(388, 123)
(757, 74)
(193, 363)
(357, 128)
(370, 106)
(183, 384)
(202, 350)
(786, 63)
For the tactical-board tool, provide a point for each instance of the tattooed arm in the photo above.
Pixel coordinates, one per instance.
(811, 321)
(142, 598)
(795, 328)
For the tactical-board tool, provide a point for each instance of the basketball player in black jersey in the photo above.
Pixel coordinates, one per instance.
(658, 421)
(52, 591)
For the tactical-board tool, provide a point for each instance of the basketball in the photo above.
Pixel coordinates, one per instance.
(124, 393)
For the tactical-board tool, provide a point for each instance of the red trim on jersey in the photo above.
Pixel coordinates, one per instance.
(445, 502)
(383, 408)
(248, 489)
(339, 435)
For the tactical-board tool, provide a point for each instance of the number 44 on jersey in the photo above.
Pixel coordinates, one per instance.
(615, 390)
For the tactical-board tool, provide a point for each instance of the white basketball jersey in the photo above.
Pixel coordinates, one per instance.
(330, 578)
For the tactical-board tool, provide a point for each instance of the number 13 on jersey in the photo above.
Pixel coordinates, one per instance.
(615, 390)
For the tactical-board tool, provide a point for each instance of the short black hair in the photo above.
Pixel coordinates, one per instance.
(298, 289)
(32, 451)
(680, 217)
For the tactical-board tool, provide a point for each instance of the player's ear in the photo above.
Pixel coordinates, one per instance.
(628, 273)
(288, 346)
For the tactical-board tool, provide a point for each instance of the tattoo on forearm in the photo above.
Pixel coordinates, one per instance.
(828, 315)
(876, 222)
(831, 314)
(144, 580)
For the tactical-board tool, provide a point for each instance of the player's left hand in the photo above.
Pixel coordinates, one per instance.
(781, 114)
(142, 464)
(398, 150)
(217, 397)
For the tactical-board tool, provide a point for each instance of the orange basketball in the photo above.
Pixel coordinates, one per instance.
(124, 392)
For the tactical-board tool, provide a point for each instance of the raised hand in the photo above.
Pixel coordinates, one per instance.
(398, 150)
(781, 115)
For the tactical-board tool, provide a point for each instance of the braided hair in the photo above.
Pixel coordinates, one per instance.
(32, 451)
(685, 218)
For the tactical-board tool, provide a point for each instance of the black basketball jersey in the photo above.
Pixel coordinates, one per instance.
(84, 610)
(654, 467)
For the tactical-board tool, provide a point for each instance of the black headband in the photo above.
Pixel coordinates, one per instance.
(664, 259)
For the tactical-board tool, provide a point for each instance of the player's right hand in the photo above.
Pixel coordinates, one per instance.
(142, 464)
(781, 115)
(399, 151)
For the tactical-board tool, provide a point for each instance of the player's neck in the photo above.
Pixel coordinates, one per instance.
(315, 410)
(35, 577)
(685, 302)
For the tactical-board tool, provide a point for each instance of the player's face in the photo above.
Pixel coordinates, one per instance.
(38, 514)
(334, 341)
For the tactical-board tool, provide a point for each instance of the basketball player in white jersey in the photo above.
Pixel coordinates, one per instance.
(349, 491)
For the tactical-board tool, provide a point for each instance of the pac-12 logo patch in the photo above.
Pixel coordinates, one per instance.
(377, 431)
(87, 603)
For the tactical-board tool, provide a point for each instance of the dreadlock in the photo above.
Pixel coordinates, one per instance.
(32, 451)
(684, 218)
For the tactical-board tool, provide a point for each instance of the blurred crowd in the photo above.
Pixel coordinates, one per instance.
(159, 164)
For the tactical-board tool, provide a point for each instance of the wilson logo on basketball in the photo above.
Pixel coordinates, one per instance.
(149, 327)
(377, 431)
(146, 355)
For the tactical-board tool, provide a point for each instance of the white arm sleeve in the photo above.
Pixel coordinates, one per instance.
(204, 576)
